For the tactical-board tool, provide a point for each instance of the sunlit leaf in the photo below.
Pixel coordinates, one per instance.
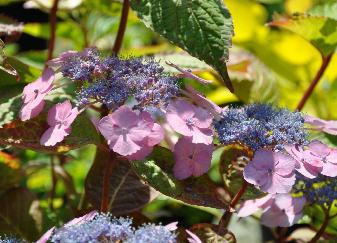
(10, 171)
(328, 10)
(184, 22)
(156, 170)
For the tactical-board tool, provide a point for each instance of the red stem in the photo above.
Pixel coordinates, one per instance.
(321, 230)
(228, 214)
(106, 183)
(121, 28)
(308, 92)
(53, 20)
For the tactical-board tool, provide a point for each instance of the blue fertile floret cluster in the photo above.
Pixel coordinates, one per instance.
(111, 81)
(104, 228)
(259, 125)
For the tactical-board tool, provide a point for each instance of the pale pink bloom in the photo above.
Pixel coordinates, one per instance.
(128, 133)
(58, 61)
(34, 93)
(202, 101)
(190, 120)
(191, 159)
(327, 155)
(60, 118)
(308, 164)
(271, 172)
(75, 221)
(329, 127)
(45, 237)
(172, 226)
(281, 210)
(193, 238)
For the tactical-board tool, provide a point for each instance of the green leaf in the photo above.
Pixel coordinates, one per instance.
(328, 10)
(202, 28)
(156, 170)
(321, 32)
(20, 214)
(127, 193)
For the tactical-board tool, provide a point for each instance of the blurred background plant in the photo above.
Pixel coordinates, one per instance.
(266, 64)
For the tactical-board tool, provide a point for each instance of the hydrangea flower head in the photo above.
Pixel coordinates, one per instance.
(101, 228)
(60, 118)
(259, 125)
(281, 210)
(151, 233)
(190, 121)
(272, 172)
(127, 133)
(191, 159)
(7, 239)
(34, 93)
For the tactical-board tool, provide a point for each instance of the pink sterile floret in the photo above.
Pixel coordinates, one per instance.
(128, 133)
(272, 172)
(329, 127)
(191, 159)
(307, 164)
(60, 118)
(34, 93)
(281, 210)
(327, 155)
(190, 120)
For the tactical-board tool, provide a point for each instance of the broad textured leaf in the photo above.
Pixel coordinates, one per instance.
(10, 171)
(208, 233)
(319, 31)
(233, 160)
(202, 28)
(127, 193)
(20, 214)
(328, 10)
(26, 135)
(156, 170)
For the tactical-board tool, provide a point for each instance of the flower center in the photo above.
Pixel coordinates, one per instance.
(190, 121)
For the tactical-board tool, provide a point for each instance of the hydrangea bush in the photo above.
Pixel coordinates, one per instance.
(156, 132)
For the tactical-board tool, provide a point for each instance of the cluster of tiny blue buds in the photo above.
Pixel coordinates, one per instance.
(320, 190)
(260, 125)
(104, 228)
(111, 81)
(7, 239)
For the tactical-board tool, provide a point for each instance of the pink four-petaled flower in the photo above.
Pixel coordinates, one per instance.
(191, 159)
(34, 93)
(281, 210)
(128, 133)
(272, 172)
(60, 118)
(190, 120)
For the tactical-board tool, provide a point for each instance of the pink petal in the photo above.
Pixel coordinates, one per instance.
(308, 171)
(194, 238)
(254, 176)
(82, 219)
(124, 117)
(202, 118)
(275, 217)
(108, 129)
(56, 62)
(314, 121)
(183, 168)
(172, 226)
(27, 112)
(250, 207)
(141, 154)
(156, 135)
(124, 146)
(181, 108)
(178, 124)
(184, 147)
(318, 148)
(329, 169)
(331, 127)
(139, 132)
(45, 237)
(53, 136)
(46, 80)
(279, 184)
(203, 135)
(285, 164)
